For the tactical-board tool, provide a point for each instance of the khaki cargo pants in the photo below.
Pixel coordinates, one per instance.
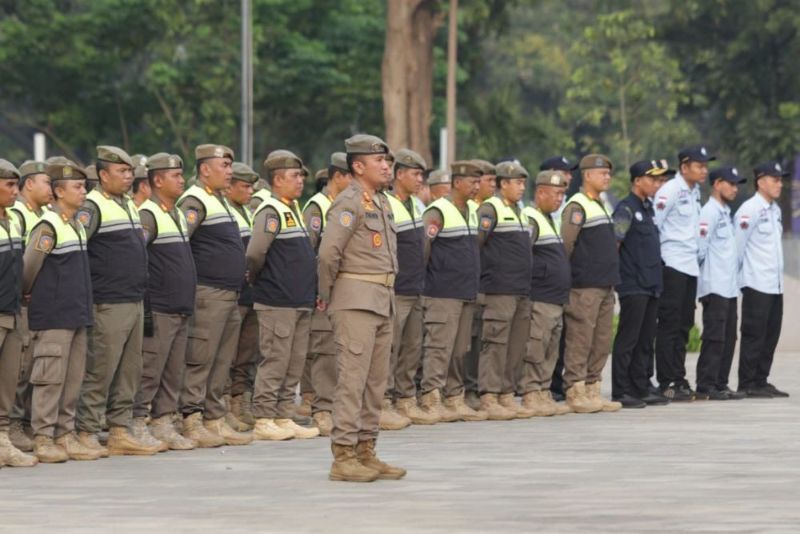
(542, 352)
(506, 330)
(588, 317)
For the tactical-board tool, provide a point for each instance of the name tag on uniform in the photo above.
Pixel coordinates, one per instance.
(371, 215)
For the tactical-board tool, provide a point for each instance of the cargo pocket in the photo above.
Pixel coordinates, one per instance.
(197, 347)
(535, 351)
(435, 327)
(47, 364)
(495, 327)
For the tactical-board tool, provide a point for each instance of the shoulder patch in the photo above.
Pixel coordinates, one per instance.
(661, 203)
(272, 224)
(576, 217)
(744, 222)
(346, 219)
(316, 223)
(84, 217)
(703, 229)
(486, 222)
(191, 216)
(44, 244)
(432, 230)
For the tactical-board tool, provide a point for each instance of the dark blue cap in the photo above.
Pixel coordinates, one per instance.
(729, 174)
(647, 167)
(695, 153)
(557, 163)
(770, 168)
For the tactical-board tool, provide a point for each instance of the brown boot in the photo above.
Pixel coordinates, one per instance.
(240, 407)
(122, 443)
(77, 450)
(268, 430)
(141, 432)
(300, 432)
(391, 419)
(347, 468)
(12, 456)
(194, 430)
(409, 408)
(48, 452)
(431, 402)
(304, 410)
(162, 429)
(91, 441)
(493, 410)
(533, 401)
(18, 437)
(559, 408)
(506, 400)
(579, 401)
(365, 451)
(593, 392)
(324, 422)
(223, 430)
(465, 413)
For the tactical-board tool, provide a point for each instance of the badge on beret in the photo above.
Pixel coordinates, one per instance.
(744, 222)
(599, 162)
(346, 219)
(40, 167)
(84, 217)
(576, 218)
(67, 172)
(778, 167)
(703, 151)
(563, 160)
(272, 225)
(316, 223)
(638, 216)
(703, 229)
(44, 244)
(218, 152)
(290, 222)
(486, 222)
(432, 231)
(191, 216)
(377, 239)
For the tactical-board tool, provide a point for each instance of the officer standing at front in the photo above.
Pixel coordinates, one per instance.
(219, 261)
(357, 267)
(118, 261)
(758, 244)
(677, 218)
(639, 288)
(588, 234)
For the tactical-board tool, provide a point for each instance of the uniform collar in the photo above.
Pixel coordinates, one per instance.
(683, 183)
(763, 202)
(724, 208)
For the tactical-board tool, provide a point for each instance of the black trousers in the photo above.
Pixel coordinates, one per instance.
(719, 342)
(762, 314)
(635, 332)
(675, 320)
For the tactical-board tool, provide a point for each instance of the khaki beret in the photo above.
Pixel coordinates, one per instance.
(555, 178)
(8, 171)
(366, 144)
(208, 151)
(282, 159)
(595, 161)
(439, 176)
(487, 167)
(339, 160)
(244, 173)
(67, 170)
(162, 161)
(465, 168)
(91, 173)
(139, 160)
(32, 167)
(510, 169)
(140, 172)
(321, 174)
(408, 158)
(56, 159)
(113, 154)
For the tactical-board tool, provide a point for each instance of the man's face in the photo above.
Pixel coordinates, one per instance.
(289, 183)
(549, 197)
(38, 190)
(648, 185)
(598, 179)
(487, 186)
(695, 172)
(218, 173)
(466, 186)
(374, 169)
(513, 189)
(72, 193)
(170, 184)
(116, 178)
(770, 187)
(240, 192)
(727, 190)
(410, 180)
(9, 189)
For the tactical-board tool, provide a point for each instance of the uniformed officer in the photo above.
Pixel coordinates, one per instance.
(321, 360)
(91, 178)
(439, 183)
(357, 267)
(282, 268)
(718, 286)
(239, 394)
(170, 301)
(588, 234)
(409, 169)
(758, 230)
(265, 192)
(57, 281)
(214, 329)
(677, 218)
(10, 307)
(506, 260)
(118, 261)
(35, 194)
(452, 278)
(639, 288)
(549, 292)
(141, 186)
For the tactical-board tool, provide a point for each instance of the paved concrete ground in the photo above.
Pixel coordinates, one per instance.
(705, 467)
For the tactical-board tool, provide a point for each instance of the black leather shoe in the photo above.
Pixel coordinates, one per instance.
(654, 399)
(629, 401)
(712, 394)
(734, 395)
(678, 392)
(758, 393)
(776, 392)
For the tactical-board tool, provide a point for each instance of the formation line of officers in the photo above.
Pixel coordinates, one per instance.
(178, 317)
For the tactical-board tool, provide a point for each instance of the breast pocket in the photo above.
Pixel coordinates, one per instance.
(764, 227)
(685, 209)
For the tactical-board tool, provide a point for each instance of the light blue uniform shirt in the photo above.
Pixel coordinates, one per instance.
(677, 216)
(758, 230)
(719, 262)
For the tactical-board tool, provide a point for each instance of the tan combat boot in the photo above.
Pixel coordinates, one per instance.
(141, 432)
(48, 452)
(12, 456)
(347, 468)
(268, 430)
(465, 413)
(495, 411)
(324, 422)
(409, 408)
(365, 452)
(223, 430)
(194, 430)
(579, 401)
(122, 443)
(431, 402)
(533, 401)
(240, 407)
(472, 400)
(391, 419)
(304, 410)
(507, 401)
(18, 437)
(559, 408)
(91, 441)
(162, 429)
(77, 450)
(300, 432)
(593, 392)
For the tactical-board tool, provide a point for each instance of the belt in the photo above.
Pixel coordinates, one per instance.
(384, 279)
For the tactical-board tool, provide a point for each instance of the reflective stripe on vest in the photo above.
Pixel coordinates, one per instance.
(244, 221)
(593, 210)
(547, 234)
(324, 202)
(504, 213)
(67, 238)
(454, 224)
(113, 217)
(29, 218)
(292, 225)
(402, 218)
(168, 231)
(10, 239)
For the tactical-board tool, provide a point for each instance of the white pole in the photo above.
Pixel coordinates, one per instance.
(247, 85)
(39, 146)
(443, 149)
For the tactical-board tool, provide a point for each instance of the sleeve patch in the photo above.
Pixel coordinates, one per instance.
(84, 217)
(346, 219)
(316, 223)
(703, 229)
(272, 224)
(486, 222)
(191, 216)
(44, 244)
(576, 217)
(744, 222)
(661, 203)
(432, 231)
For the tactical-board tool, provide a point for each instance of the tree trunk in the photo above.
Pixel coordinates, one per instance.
(407, 73)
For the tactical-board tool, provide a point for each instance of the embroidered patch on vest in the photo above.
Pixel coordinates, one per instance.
(191, 216)
(290, 222)
(316, 223)
(377, 240)
(44, 244)
(84, 217)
